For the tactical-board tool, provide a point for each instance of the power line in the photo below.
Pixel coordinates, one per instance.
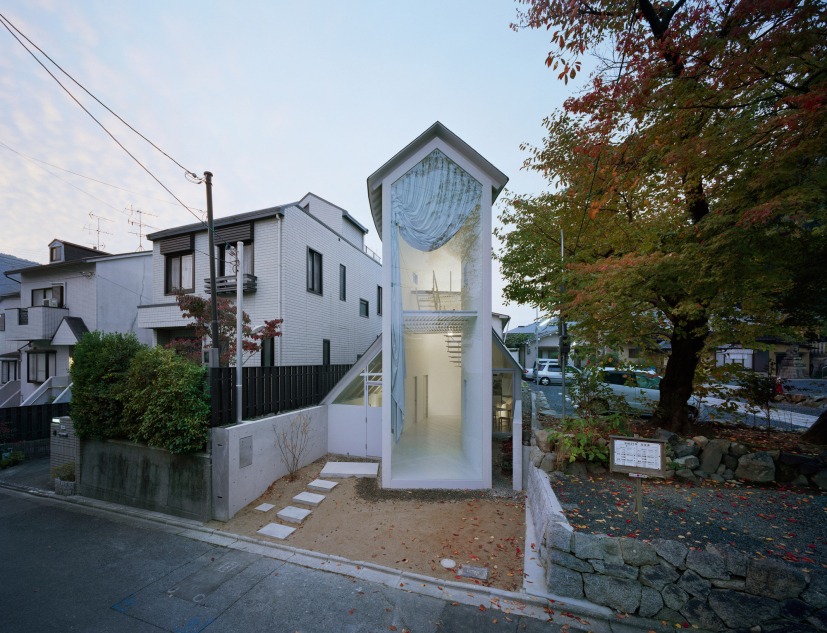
(74, 173)
(82, 87)
(189, 174)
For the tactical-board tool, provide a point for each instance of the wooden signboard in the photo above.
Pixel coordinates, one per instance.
(637, 456)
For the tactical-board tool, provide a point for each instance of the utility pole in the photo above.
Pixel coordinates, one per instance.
(215, 349)
(239, 332)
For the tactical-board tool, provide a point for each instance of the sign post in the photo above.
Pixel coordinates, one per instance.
(640, 458)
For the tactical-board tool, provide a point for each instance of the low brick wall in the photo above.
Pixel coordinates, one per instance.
(714, 589)
(149, 478)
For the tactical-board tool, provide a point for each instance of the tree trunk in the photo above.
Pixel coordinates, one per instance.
(817, 433)
(676, 387)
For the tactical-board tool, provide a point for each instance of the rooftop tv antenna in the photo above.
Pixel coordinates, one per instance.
(136, 218)
(91, 229)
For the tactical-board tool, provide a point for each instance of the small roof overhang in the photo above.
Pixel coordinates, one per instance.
(70, 331)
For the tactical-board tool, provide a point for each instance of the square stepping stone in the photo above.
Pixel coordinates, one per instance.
(339, 470)
(265, 507)
(292, 514)
(308, 498)
(277, 530)
(322, 485)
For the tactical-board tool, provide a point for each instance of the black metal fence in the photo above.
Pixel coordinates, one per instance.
(24, 424)
(270, 390)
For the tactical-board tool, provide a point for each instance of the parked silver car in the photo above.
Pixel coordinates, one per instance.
(639, 388)
(547, 371)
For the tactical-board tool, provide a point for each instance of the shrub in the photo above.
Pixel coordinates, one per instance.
(66, 472)
(165, 401)
(98, 371)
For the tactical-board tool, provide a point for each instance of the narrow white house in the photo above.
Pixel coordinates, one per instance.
(79, 290)
(432, 204)
(304, 262)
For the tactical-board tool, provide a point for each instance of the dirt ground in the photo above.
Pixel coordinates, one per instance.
(406, 530)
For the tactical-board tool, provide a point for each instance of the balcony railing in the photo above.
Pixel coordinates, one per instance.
(227, 284)
(33, 324)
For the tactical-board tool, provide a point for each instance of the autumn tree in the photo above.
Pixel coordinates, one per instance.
(688, 174)
(199, 309)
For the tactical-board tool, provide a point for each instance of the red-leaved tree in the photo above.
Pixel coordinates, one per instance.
(199, 309)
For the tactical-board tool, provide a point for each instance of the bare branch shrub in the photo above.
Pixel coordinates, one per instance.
(292, 441)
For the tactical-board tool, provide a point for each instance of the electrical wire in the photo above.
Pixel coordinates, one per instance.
(8, 25)
(107, 108)
(74, 173)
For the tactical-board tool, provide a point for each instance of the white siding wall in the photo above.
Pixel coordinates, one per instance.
(122, 285)
(309, 318)
(353, 233)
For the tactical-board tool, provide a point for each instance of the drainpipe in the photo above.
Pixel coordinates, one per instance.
(239, 334)
(281, 283)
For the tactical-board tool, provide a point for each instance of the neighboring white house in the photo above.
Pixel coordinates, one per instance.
(304, 262)
(79, 290)
(9, 350)
(544, 341)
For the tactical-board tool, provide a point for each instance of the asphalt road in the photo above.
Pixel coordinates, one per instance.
(70, 568)
(784, 418)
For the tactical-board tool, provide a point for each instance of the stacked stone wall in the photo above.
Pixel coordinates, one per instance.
(715, 589)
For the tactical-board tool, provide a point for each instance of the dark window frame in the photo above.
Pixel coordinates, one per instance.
(342, 282)
(51, 362)
(268, 352)
(364, 308)
(325, 352)
(56, 253)
(50, 291)
(169, 287)
(315, 272)
(249, 258)
(378, 300)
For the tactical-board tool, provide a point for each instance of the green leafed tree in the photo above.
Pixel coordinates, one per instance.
(688, 174)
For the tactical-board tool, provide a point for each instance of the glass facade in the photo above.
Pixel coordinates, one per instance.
(437, 343)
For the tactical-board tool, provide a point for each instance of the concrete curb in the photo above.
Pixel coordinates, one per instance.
(558, 611)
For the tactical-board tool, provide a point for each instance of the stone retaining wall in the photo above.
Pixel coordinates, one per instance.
(715, 589)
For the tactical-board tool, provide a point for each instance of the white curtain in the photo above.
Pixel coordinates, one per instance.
(429, 204)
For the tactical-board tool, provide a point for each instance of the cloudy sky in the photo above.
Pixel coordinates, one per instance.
(275, 98)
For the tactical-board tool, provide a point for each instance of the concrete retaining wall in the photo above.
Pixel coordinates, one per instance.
(144, 477)
(247, 459)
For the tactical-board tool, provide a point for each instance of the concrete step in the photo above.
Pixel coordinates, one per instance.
(340, 470)
(292, 514)
(276, 530)
(308, 498)
(322, 485)
(265, 507)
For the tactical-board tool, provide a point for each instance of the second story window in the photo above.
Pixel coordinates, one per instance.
(227, 258)
(364, 308)
(379, 300)
(56, 253)
(342, 282)
(314, 271)
(179, 273)
(51, 297)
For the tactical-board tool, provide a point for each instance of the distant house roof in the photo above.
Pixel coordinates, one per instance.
(437, 130)
(547, 330)
(225, 221)
(9, 263)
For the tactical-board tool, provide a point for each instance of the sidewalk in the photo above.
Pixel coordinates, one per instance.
(33, 478)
